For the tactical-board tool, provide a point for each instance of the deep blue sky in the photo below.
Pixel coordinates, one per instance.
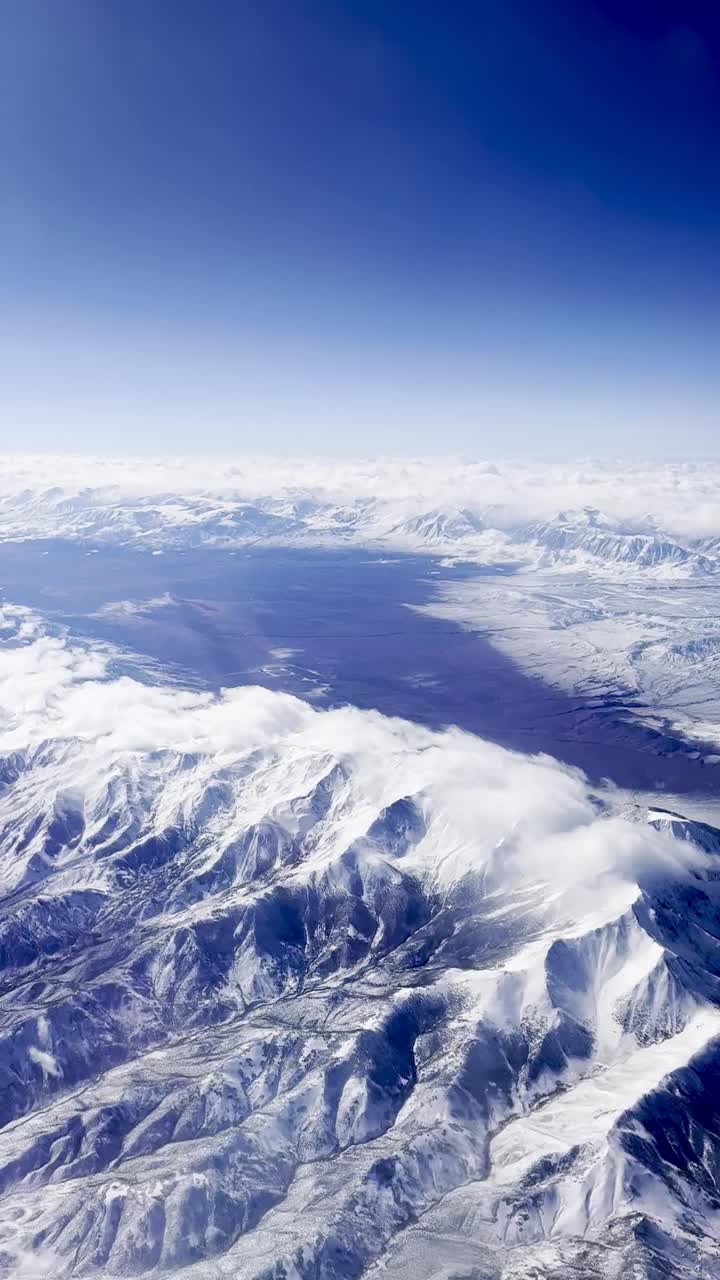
(382, 226)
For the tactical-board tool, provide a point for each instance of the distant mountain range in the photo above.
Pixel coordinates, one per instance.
(661, 521)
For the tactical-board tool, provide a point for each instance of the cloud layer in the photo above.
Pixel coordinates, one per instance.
(38, 492)
(482, 797)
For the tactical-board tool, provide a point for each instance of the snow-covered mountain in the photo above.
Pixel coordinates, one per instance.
(438, 528)
(299, 993)
(660, 521)
(589, 539)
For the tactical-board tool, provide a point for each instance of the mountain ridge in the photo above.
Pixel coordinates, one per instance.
(279, 986)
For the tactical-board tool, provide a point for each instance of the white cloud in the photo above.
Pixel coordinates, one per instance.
(44, 1060)
(480, 797)
(126, 610)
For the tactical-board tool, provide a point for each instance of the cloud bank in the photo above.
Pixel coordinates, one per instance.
(39, 492)
(482, 798)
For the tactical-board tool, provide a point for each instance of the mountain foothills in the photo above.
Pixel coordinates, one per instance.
(301, 994)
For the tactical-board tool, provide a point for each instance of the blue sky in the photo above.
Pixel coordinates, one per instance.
(360, 227)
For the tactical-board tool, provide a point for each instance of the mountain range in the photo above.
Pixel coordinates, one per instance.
(301, 993)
